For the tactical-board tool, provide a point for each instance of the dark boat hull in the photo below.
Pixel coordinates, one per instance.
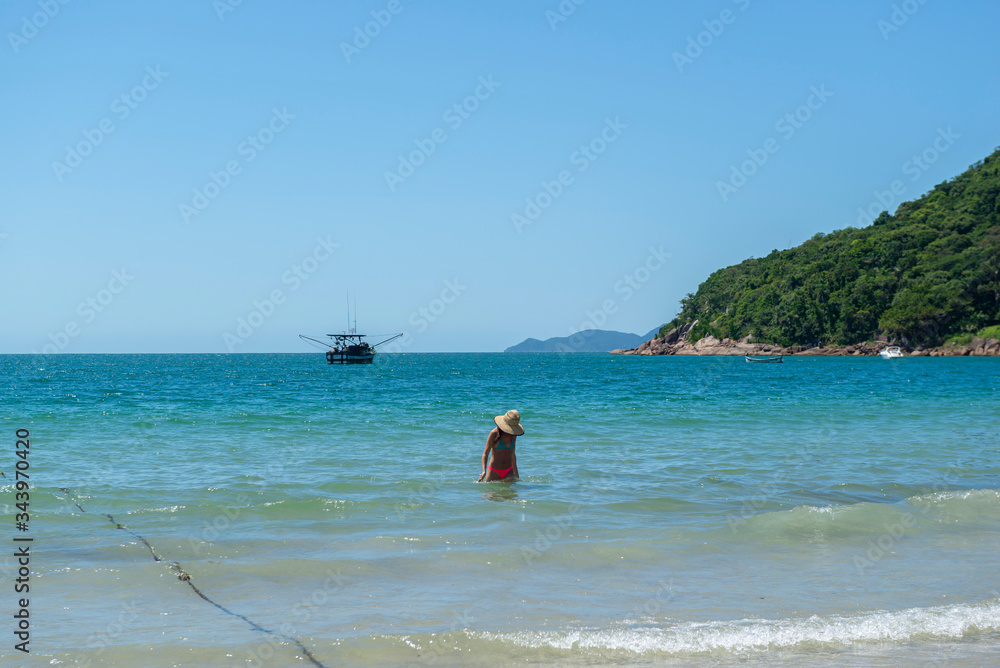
(350, 357)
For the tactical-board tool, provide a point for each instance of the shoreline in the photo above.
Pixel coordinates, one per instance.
(676, 343)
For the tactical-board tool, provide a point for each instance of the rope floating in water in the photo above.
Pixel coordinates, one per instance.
(183, 576)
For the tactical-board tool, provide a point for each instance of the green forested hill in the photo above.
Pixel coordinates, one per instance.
(930, 271)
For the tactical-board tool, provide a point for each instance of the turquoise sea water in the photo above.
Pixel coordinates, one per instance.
(671, 511)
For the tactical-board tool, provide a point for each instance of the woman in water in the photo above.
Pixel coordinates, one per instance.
(500, 443)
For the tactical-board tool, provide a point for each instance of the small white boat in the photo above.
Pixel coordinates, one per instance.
(764, 360)
(890, 352)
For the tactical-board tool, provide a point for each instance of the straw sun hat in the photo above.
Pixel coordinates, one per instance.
(510, 423)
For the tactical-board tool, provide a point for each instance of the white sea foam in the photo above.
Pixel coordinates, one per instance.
(162, 509)
(943, 622)
(981, 495)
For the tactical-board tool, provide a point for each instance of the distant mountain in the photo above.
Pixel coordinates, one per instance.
(586, 341)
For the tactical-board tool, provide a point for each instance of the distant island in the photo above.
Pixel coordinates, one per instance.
(926, 278)
(585, 341)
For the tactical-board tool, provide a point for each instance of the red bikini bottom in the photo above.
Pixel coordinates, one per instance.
(503, 473)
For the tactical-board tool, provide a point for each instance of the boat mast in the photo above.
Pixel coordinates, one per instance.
(349, 331)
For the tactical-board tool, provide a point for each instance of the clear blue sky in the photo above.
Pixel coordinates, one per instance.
(309, 128)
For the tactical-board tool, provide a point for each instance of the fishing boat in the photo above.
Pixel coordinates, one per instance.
(890, 353)
(763, 360)
(349, 347)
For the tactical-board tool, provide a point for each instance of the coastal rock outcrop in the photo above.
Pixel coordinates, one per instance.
(676, 342)
(979, 347)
